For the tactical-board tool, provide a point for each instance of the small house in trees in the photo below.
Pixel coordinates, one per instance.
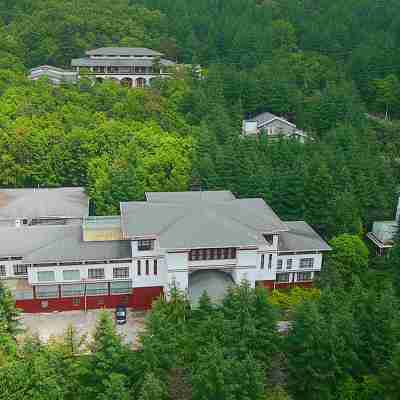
(195, 241)
(272, 126)
(383, 233)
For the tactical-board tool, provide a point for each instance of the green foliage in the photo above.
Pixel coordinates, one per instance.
(347, 262)
(9, 321)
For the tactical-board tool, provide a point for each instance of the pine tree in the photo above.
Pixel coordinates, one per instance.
(8, 312)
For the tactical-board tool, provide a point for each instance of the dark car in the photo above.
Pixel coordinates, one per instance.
(120, 314)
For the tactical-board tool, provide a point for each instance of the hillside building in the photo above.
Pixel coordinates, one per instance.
(383, 233)
(194, 240)
(272, 126)
(130, 66)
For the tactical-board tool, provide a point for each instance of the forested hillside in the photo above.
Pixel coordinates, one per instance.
(331, 67)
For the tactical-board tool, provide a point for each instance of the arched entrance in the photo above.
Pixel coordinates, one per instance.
(214, 282)
(127, 82)
(140, 82)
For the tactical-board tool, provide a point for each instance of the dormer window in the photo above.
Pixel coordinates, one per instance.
(269, 239)
(145, 245)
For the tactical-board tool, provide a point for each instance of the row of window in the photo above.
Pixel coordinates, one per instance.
(75, 275)
(212, 254)
(304, 263)
(300, 276)
(80, 289)
(125, 70)
(147, 270)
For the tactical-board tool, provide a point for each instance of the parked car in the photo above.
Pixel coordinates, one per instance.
(120, 315)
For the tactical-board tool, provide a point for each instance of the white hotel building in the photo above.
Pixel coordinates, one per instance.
(195, 240)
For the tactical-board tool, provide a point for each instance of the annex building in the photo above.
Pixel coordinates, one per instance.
(194, 240)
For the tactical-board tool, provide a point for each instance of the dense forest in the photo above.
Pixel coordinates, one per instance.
(330, 67)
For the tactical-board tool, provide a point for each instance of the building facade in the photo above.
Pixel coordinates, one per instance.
(133, 67)
(272, 126)
(185, 239)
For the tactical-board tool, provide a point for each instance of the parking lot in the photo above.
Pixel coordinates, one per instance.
(47, 325)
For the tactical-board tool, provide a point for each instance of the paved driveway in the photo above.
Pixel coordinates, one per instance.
(48, 325)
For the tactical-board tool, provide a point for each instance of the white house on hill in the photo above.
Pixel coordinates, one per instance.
(272, 126)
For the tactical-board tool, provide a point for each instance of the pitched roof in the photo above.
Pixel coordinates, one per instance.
(34, 203)
(262, 118)
(301, 237)
(65, 243)
(123, 51)
(202, 222)
(117, 62)
(385, 231)
(184, 197)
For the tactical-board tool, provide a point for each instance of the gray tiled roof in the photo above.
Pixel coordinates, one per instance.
(262, 118)
(301, 237)
(21, 241)
(201, 223)
(118, 51)
(385, 231)
(34, 203)
(117, 62)
(184, 197)
(64, 243)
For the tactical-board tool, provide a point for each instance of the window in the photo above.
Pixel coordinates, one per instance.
(121, 287)
(74, 290)
(289, 263)
(226, 254)
(20, 269)
(282, 277)
(155, 267)
(147, 267)
(279, 264)
(97, 289)
(96, 273)
(212, 254)
(71, 275)
(46, 292)
(76, 301)
(270, 262)
(45, 276)
(262, 261)
(304, 276)
(139, 267)
(145, 245)
(307, 263)
(269, 239)
(2, 270)
(121, 273)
